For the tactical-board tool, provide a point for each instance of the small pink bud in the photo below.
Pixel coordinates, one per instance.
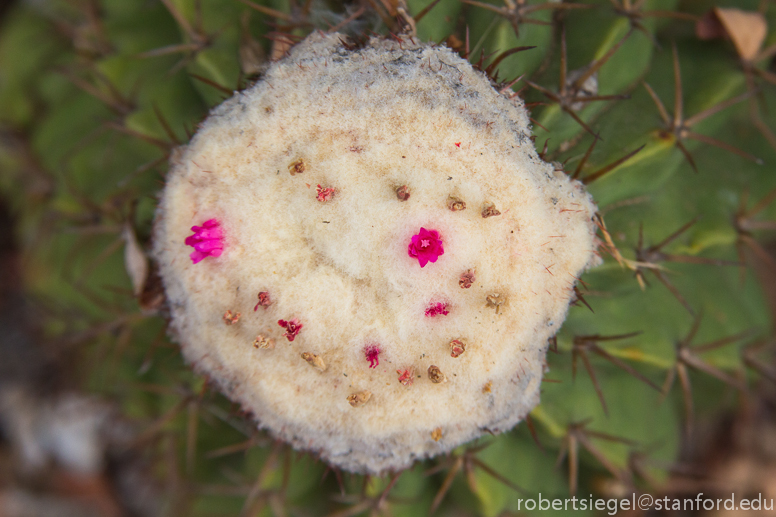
(207, 241)
(231, 318)
(292, 328)
(324, 193)
(457, 347)
(263, 342)
(264, 301)
(403, 193)
(437, 308)
(467, 279)
(406, 376)
(372, 353)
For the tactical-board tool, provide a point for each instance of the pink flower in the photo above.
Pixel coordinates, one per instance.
(324, 194)
(207, 241)
(406, 376)
(292, 328)
(372, 353)
(426, 246)
(437, 308)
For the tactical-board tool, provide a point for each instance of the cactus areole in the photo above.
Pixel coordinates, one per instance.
(365, 281)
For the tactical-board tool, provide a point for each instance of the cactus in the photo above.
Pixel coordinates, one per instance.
(361, 281)
(663, 128)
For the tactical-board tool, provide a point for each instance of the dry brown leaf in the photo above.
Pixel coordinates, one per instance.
(135, 261)
(746, 29)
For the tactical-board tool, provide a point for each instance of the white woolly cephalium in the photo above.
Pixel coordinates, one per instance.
(380, 256)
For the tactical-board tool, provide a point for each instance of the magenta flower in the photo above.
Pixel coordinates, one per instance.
(292, 328)
(426, 246)
(437, 308)
(372, 353)
(207, 241)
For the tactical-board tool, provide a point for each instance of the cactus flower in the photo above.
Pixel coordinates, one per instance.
(426, 246)
(207, 241)
(292, 328)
